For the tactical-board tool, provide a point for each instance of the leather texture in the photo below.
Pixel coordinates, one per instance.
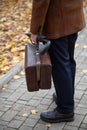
(55, 116)
(37, 69)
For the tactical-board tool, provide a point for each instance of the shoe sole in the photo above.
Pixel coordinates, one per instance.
(59, 120)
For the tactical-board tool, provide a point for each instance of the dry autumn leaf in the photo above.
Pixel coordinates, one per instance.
(33, 112)
(85, 46)
(4, 86)
(15, 49)
(12, 32)
(85, 71)
(7, 106)
(16, 77)
(77, 45)
(22, 73)
(48, 125)
(25, 115)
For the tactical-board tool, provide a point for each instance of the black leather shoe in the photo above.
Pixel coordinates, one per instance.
(55, 98)
(55, 117)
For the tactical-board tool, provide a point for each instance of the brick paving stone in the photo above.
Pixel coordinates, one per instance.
(15, 123)
(70, 128)
(79, 72)
(3, 108)
(78, 94)
(36, 116)
(77, 122)
(77, 52)
(14, 97)
(1, 113)
(81, 86)
(80, 110)
(82, 129)
(8, 90)
(57, 126)
(24, 127)
(50, 92)
(21, 102)
(9, 129)
(21, 90)
(18, 107)
(8, 102)
(25, 110)
(42, 122)
(84, 79)
(14, 85)
(33, 103)
(42, 107)
(86, 92)
(52, 106)
(40, 127)
(24, 83)
(37, 98)
(84, 125)
(4, 123)
(83, 106)
(85, 119)
(20, 118)
(41, 93)
(84, 54)
(77, 80)
(2, 100)
(46, 101)
(5, 94)
(49, 97)
(27, 96)
(9, 115)
(84, 100)
(30, 122)
(2, 127)
(77, 100)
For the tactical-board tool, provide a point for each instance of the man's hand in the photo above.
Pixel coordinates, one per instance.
(34, 38)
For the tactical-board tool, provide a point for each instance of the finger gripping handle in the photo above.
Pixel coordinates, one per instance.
(40, 38)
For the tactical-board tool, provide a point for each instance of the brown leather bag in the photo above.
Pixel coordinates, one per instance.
(37, 67)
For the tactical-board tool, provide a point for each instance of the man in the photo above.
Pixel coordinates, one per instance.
(60, 21)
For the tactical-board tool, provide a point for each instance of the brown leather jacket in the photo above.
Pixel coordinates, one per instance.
(57, 18)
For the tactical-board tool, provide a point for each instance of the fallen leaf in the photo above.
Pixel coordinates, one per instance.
(48, 125)
(33, 112)
(4, 86)
(85, 46)
(7, 106)
(22, 73)
(77, 45)
(25, 115)
(14, 24)
(14, 49)
(16, 77)
(84, 71)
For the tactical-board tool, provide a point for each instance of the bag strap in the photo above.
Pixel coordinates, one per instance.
(38, 63)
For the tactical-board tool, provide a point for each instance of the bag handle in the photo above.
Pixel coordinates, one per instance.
(46, 43)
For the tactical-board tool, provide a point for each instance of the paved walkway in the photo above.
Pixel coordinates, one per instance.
(16, 103)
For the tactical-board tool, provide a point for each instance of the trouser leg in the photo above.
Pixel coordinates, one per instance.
(62, 73)
(71, 43)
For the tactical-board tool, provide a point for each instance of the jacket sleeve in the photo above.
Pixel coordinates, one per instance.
(39, 11)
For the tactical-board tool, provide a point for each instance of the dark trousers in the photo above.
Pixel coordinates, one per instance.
(63, 71)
